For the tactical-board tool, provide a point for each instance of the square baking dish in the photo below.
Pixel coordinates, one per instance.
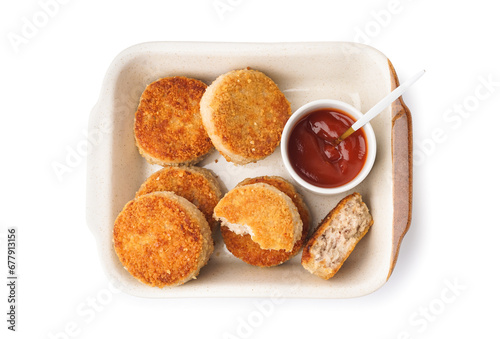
(354, 73)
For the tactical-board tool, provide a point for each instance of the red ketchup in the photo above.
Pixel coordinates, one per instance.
(312, 152)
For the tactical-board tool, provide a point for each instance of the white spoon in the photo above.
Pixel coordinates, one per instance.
(379, 107)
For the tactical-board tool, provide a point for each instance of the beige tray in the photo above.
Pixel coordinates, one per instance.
(354, 73)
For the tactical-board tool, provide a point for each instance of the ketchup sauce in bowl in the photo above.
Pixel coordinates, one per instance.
(312, 152)
(309, 153)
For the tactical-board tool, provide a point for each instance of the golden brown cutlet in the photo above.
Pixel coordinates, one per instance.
(336, 236)
(162, 239)
(244, 113)
(264, 212)
(197, 185)
(243, 247)
(168, 128)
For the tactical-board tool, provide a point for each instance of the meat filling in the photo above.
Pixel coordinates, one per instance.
(342, 232)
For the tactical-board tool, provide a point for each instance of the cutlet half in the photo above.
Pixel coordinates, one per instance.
(197, 185)
(336, 236)
(268, 215)
(168, 128)
(162, 239)
(244, 113)
(243, 247)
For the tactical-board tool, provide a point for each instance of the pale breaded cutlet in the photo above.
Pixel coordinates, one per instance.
(168, 128)
(268, 215)
(244, 113)
(243, 247)
(198, 185)
(162, 239)
(336, 236)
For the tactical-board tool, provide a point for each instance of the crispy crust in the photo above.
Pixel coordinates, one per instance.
(167, 127)
(269, 215)
(244, 113)
(197, 185)
(162, 239)
(242, 246)
(322, 268)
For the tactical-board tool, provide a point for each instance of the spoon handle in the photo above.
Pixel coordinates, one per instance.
(382, 104)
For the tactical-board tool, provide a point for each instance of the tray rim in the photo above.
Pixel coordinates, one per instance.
(400, 113)
(402, 157)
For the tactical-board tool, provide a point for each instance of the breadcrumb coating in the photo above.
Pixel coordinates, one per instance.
(168, 128)
(244, 113)
(243, 247)
(162, 239)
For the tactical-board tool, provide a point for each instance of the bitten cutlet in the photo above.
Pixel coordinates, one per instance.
(162, 239)
(198, 185)
(243, 247)
(244, 113)
(268, 215)
(336, 236)
(168, 128)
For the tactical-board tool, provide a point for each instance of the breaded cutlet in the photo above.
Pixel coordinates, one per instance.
(198, 185)
(168, 128)
(336, 236)
(263, 211)
(243, 247)
(162, 239)
(244, 113)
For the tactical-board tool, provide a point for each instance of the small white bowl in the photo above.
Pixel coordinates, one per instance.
(342, 106)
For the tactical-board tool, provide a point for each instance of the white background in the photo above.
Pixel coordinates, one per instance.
(51, 80)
